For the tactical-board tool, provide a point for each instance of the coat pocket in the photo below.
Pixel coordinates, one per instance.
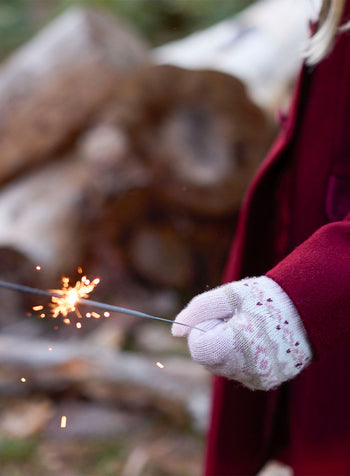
(338, 197)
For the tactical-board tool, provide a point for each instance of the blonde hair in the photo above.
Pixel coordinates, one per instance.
(323, 39)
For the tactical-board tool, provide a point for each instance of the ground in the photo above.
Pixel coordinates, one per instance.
(156, 450)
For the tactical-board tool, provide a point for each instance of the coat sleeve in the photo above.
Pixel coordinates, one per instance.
(316, 276)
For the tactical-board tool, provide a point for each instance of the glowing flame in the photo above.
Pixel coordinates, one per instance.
(70, 295)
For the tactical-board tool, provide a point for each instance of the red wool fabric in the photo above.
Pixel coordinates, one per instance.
(305, 422)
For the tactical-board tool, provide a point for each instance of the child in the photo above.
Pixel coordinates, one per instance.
(280, 337)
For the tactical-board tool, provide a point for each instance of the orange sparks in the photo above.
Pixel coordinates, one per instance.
(80, 270)
(63, 421)
(70, 295)
(37, 308)
(23, 379)
(160, 365)
(67, 299)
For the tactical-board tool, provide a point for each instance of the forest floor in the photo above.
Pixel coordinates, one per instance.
(156, 449)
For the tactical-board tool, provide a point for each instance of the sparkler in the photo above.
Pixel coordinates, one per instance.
(65, 300)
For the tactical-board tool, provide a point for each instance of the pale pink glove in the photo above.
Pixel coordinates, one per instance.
(253, 333)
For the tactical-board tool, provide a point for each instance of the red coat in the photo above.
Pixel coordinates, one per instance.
(295, 227)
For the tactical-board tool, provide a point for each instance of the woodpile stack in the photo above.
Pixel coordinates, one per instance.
(120, 166)
(131, 170)
(52, 86)
(258, 46)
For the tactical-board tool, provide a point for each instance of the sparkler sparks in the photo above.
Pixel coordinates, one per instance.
(70, 296)
(160, 365)
(63, 421)
(37, 308)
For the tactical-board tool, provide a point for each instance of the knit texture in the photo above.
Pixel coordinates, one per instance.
(253, 333)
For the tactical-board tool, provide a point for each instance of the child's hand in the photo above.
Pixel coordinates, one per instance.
(253, 333)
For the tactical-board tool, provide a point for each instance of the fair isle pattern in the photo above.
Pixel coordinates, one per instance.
(289, 331)
(268, 336)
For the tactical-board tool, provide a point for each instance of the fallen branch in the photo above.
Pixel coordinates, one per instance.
(180, 389)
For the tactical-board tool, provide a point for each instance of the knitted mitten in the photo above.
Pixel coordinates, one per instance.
(253, 333)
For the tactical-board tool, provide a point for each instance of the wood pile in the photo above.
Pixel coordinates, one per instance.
(118, 166)
(259, 46)
(134, 172)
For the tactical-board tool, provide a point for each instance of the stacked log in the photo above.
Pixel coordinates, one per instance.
(52, 86)
(258, 46)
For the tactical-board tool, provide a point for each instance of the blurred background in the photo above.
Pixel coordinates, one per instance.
(129, 132)
(157, 21)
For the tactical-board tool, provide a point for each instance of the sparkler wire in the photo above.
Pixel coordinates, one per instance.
(89, 302)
